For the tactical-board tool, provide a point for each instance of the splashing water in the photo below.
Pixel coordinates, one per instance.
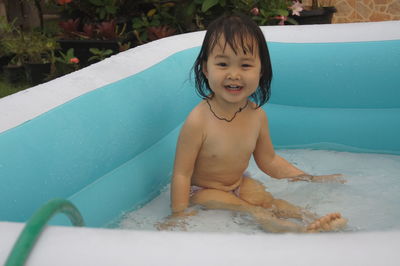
(369, 200)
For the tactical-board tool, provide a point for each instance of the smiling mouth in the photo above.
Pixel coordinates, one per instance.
(233, 88)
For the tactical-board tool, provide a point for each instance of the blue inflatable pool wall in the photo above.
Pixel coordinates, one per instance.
(112, 149)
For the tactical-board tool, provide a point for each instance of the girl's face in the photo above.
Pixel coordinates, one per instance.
(233, 77)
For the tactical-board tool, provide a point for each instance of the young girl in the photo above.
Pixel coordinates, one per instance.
(233, 75)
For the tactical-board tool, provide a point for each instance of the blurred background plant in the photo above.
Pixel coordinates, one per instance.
(12, 42)
(159, 19)
(156, 21)
(64, 63)
(92, 19)
(5, 30)
(41, 48)
(89, 29)
(270, 12)
(90, 11)
(99, 54)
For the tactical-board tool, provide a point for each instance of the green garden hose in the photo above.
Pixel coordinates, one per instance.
(35, 226)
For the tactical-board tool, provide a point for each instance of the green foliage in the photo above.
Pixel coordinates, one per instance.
(7, 88)
(99, 55)
(6, 32)
(91, 11)
(266, 10)
(159, 15)
(13, 43)
(186, 16)
(207, 4)
(65, 63)
(105, 9)
(40, 49)
(66, 58)
(5, 27)
(33, 47)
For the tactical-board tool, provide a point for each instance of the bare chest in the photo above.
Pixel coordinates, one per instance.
(229, 142)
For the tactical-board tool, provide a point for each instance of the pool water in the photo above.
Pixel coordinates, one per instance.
(369, 199)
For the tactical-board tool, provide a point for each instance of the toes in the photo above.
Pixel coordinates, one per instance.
(329, 222)
(326, 227)
(325, 219)
(311, 227)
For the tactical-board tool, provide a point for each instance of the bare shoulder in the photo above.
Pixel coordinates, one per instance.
(259, 113)
(195, 121)
(196, 116)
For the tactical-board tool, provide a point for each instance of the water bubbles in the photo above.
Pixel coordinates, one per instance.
(369, 199)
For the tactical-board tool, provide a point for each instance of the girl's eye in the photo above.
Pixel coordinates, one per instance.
(246, 65)
(221, 64)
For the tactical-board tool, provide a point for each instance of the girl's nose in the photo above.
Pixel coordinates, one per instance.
(233, 75)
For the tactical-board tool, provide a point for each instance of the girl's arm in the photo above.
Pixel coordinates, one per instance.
(187, 149)
(267, 160)
(275, 166)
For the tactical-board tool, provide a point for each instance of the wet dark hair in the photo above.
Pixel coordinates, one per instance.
(240, 32)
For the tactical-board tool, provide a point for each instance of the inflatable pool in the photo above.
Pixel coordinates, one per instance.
(104, 138)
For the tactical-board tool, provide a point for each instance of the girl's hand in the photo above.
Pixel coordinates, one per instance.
(335, 178)
(183, 214)
(175, 221)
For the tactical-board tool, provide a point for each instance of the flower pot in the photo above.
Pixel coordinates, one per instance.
(81, 48)
(4, 60)
(321, 15)
(14, 74)
(62, 69)
(37, 73)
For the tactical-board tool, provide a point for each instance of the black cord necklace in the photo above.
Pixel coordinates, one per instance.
(223, 118)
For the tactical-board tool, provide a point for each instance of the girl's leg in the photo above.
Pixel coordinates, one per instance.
(253, 192)
(221, 200)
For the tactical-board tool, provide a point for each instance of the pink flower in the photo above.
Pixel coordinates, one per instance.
(296, 8)
(74, 60)
(255, 11)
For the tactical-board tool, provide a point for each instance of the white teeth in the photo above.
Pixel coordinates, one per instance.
(233, 87)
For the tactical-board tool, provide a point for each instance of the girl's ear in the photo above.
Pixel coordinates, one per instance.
(204, 68)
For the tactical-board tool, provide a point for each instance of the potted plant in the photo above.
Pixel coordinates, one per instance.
(99, 55)
(184, 16)
(39, 55)
(13, 45)
(156, 21)
(65, 63)
(91, 24)
(271, 12)
(6, 29)
(317, 13)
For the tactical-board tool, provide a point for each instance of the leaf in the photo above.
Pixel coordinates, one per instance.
(151, 12)
(189, 11)
(282, 12)
(111, 9)
(292, 21)
(94, 50)
(96, 2)
(103, 14)
(207, 4)
(92, 58)
(143, 36)
(108, 52)
(137, 23)
(70, 53)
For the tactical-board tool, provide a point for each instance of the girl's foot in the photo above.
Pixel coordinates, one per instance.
(329, 222)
